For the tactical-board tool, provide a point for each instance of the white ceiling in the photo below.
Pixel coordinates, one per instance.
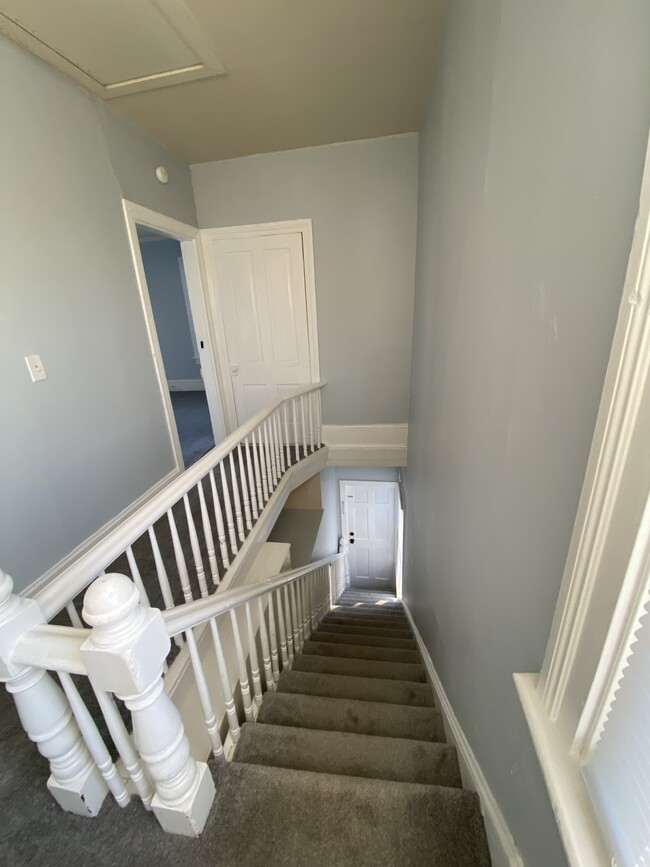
(298, 72)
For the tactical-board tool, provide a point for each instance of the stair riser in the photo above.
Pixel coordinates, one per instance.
(360, 717)
(351, 608)
(361, 668)
(368, 640)
(357, 688)
(360, 651)
(369, 630)
(348, 754)
(360, 620)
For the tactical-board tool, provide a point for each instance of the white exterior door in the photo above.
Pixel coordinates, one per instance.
(369, 523)
(260, 283)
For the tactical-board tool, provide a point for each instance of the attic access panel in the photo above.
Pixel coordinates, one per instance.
(114, 47)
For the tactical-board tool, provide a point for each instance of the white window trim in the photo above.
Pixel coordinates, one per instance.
(564, 738)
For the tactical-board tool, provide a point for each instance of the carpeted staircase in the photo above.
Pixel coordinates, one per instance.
(346, 766)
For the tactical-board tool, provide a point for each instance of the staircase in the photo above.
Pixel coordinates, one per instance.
(347, 762)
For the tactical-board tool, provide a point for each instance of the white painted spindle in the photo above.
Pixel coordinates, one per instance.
(226, 689)
(303, 425)
(284, 655)
(311, 421)
(195, 547)
(207, 535)
(218, 516)
(137, 578)
(228, 507)
(252, 654)
(243, 671)
(209, 716)
(252, 483)
(179, 556)
(291, 650)
(278, 431)
(244, 489)
(263, 467)
(295, 428)
(264, 641)
(235, 492)
(287, 441)
(73, 614)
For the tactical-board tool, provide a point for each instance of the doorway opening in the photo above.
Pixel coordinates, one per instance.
(169, 272)
(372, 529)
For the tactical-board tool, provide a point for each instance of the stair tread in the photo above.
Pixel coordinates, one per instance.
(361, 651)
(369, 620)
(369, 610)
(322, 634)
(403, 671)
(343, 629)
(349, 754)
(360, 688)
(332, 820)
(350, 715)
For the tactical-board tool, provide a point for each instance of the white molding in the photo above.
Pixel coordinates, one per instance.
(367, 445)
(51, 574)
(186, 385)
(618, 416)
(579, 828)
(304, 227)
(503, 849)
(177, 16)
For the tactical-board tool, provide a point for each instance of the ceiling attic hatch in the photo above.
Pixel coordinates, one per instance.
(114, 48)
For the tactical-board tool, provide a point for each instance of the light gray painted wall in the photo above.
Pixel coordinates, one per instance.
(160, 260)
(530, 171)
(329, 533)
(362, 199)
(78, 448)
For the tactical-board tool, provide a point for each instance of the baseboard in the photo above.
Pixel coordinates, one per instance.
(186, 385)
(503, 849)
(366, 445)
(37, 585)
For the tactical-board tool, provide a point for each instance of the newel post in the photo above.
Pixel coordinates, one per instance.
(125, 654)
(75, 781)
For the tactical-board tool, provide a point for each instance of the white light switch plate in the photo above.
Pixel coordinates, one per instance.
(35, 367)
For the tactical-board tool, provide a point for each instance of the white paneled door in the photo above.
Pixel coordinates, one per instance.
(259, 281)
(370, 526)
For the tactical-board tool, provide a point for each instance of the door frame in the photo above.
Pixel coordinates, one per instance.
(256, 230)
(399, 523)
(137, 215)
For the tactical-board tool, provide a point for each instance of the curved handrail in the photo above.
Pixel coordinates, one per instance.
(191, 614)
(73, 579)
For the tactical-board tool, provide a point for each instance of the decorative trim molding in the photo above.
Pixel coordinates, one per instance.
(574, 813)
(186, 385)
(367, 445)
(37, 585)
(621, 400)
(503, 849)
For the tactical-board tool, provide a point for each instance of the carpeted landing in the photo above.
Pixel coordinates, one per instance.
(346, 765)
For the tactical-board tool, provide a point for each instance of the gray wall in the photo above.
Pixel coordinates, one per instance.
(160, 260)
(78, 448)
(329, 533)
(362, 199)
(530, 171)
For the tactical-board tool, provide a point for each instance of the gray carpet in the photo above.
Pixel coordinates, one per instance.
(340, 770)
(193, 424)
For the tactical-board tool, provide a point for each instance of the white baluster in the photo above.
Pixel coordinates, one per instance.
(228, 507)
(137, 578)
(295, 428)
(319, 419)
(226, 689)
(302, 586)
(295, 589)
(73, 614)
(291, 650)
(251, 480)
(125, 654)
(207, 535)
(45, 714)
(276, 444)
(297, 643)
(264, 641)
(209, 716)
(180, 558)
(218, 515)
(303, 425)
(235, 491)
(196, 548)
(287, 441)
(243, 671)
(124, 744)
(163, 580)
(270, 458)
(314, 609)
(94, 741)
(252, 653)
(244, 490)
(311, 422)
(278, 438)
(281, 629)
(260, 473)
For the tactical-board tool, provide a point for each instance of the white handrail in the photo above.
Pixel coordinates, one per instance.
(192, 614)
(67, 584)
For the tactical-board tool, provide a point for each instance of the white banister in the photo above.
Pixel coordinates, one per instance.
(125, 654)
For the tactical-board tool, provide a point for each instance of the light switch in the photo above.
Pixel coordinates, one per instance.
(35, 367)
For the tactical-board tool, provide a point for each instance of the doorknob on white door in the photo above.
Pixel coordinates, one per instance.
(234, 369)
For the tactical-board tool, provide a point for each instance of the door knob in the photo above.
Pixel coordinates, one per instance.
(234, 369)
(351, 541)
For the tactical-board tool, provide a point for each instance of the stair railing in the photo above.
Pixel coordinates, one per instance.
(123, 656)
(209, 510)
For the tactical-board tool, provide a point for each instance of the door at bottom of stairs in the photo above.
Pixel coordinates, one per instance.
(370, 525)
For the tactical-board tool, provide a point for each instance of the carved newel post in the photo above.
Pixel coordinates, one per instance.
(45, 713)
(125, 654)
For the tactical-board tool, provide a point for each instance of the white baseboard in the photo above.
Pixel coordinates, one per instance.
(37, 585)
(503, 849)
(186, 385)
(366, 445)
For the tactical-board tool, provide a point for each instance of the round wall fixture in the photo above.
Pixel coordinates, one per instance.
(161, 174)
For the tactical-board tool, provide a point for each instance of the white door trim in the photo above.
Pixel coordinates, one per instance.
(368, 483)
(188, 236)
(304, 227)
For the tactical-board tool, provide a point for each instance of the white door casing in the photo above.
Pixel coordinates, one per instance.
(262, 294)
(370, 527)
